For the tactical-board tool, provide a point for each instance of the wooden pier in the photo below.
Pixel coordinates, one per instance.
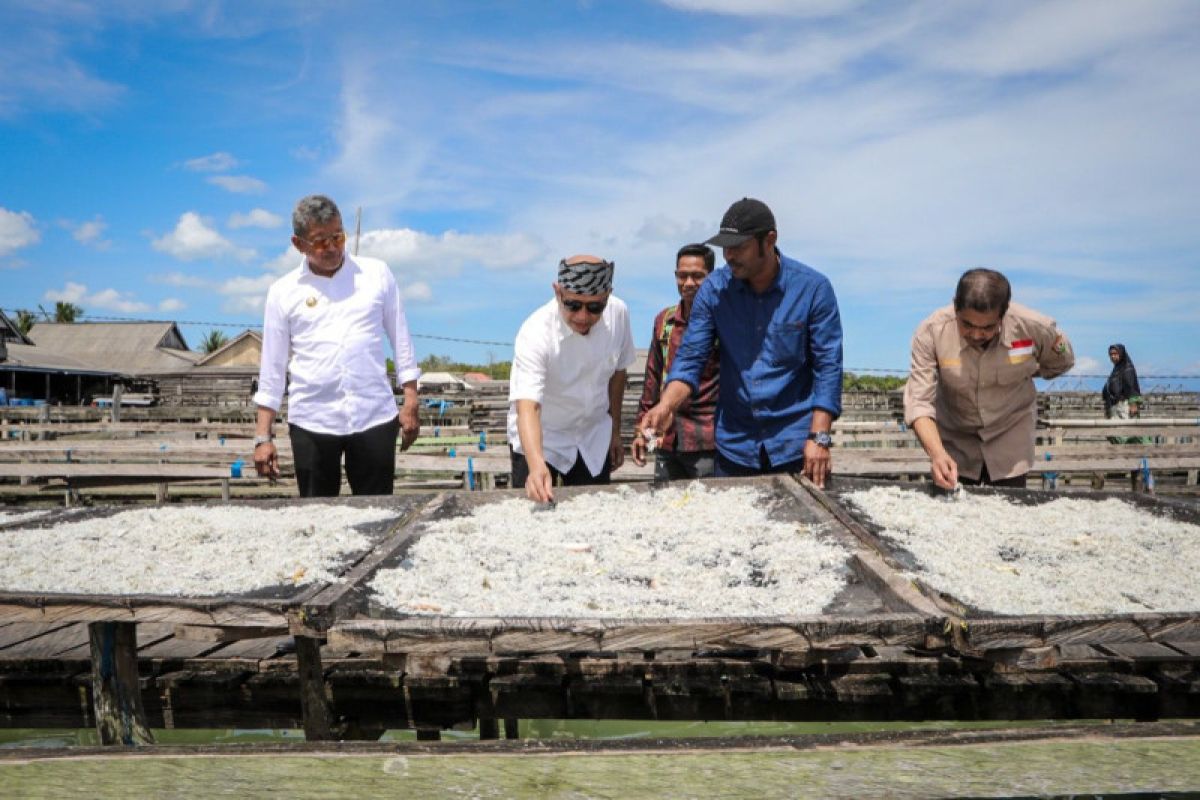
(886, 649)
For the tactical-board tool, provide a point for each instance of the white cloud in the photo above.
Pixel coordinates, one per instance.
(37, 74)
(755, 8)
(1086, 365)
(105, 299)
(182, 280)
(71, 293)
(418, 291)
(216, 162)
(17, 230)
(411, 252)
(238, 184)
(193, 239)
(91, 233)
(256, 218)
(171, 304)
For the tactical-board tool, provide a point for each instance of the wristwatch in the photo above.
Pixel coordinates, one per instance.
(822, 438)
(270, 437)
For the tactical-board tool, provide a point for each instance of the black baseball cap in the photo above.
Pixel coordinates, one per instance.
(744, 218)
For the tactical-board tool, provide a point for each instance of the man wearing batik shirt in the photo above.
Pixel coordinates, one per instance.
(688, 450)
(970, 396)
(567, 383)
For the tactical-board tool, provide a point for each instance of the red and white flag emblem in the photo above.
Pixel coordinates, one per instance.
(1020, 350)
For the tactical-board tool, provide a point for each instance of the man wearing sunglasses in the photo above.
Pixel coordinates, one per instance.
(567, 382)
(970, 396)
(324, 327)
(688, 450)
(777, 327)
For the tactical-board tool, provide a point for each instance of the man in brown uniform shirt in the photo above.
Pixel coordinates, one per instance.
(970, 396)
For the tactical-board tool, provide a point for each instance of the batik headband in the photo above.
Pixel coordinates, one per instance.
(586, 277)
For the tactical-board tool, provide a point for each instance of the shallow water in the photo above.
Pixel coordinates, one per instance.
(1090, 768)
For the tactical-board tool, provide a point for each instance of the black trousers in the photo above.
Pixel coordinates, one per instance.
(578, 475)
(1015, 482)
(370, 460)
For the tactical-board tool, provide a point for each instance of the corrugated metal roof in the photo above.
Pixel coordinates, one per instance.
(25, 357)
(130, 348)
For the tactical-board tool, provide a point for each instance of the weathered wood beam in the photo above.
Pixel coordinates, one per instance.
(116, 692)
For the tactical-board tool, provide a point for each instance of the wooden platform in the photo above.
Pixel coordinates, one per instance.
(885, 649)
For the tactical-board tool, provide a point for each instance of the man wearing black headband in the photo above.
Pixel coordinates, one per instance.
(567, 382)
(780, 341)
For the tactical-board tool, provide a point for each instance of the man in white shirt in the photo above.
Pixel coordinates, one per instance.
(323, 331)
(567, 381)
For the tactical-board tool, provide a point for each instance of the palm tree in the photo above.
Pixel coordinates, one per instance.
(66, 312)
(214, 341)
(24, 320)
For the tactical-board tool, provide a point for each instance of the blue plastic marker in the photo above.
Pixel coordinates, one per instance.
(471, 474)
(235, 469)
(1051, 476)
(1147, 475)
(482, 441)
(451, 452)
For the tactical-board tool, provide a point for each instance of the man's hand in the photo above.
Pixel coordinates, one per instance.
(658, 419)
(616, 452)
(266, 460)
(410, 425)
(539, 486)
(817, 463)
(944, 470)
(639, 448)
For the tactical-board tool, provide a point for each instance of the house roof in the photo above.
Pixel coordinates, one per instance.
(215, 355)
(10, 331)
(28, 358)
(439, 378)
(129, 348)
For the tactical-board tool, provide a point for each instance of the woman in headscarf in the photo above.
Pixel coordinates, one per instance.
(1121, 393)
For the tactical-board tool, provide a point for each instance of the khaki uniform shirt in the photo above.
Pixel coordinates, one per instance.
(984, 401)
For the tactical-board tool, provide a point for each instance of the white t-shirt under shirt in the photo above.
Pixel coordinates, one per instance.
(323, 341)
(568, 374)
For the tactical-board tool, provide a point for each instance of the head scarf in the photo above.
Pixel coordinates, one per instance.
(1122, 382)
(585, 277)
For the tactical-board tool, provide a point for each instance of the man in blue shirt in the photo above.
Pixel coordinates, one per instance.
(780, 338)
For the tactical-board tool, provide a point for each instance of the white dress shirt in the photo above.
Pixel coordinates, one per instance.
(568, 374)
(323, 341)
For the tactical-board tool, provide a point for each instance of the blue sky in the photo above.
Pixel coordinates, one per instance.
(151, 152)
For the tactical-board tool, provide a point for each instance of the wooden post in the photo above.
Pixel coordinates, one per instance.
(160, 492)
(488, 729)
(314, 703)
(429, 735)
(116, 695)
(118, 391)
(225, 493)
(512, 728)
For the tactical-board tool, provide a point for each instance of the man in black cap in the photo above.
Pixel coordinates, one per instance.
(779, 333)
(567, 381)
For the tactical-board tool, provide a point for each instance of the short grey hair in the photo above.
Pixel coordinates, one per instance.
(316, 209)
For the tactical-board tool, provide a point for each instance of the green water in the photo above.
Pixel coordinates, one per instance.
(1102, 768)
(549, 729)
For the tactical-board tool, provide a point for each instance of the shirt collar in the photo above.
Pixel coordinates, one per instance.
(777, 285)
(347, 261)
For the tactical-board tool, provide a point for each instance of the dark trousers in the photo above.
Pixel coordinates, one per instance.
(370, 460)
(578, 475)
(732, 469)
(1015, 482)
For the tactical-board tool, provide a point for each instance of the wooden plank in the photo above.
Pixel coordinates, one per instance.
(346, 595)
(14, 634)
(56, 643)
(1147, 652)
(139, 608)
(226, 634)
(116, 692)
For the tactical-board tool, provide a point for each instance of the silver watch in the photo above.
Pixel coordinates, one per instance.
(270, 437)
(822, 438)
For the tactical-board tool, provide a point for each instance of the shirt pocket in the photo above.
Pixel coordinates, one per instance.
(787, 343)
(1009, 375)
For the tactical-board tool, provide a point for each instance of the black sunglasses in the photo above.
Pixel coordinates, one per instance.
(593, 307)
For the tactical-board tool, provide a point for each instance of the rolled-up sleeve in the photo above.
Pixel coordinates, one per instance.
(276, 344)
(396, 327)
(697, 342)
(1055, 354)
(825, 336)
(920, 390)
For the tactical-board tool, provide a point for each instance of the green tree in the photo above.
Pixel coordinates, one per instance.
(24, 320)
(66, 312)
(213, 341)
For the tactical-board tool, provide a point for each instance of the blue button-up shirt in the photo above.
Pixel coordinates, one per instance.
(781, 357)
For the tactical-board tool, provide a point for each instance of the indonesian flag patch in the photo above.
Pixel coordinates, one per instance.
(1020, 350)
